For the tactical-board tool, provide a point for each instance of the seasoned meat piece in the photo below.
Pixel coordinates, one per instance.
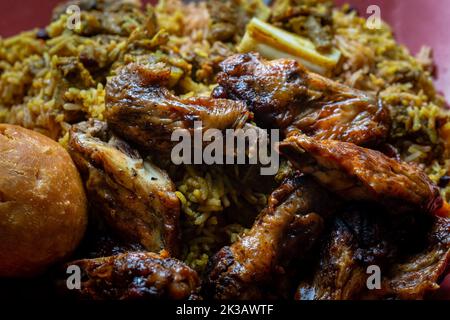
(282, 94)
(293, 219)
(112, 17)
(228, 18)
(133, 196)
(308, 18)
(355, 241)
(136, 275)
(225, 22)
(357, 173)
(353, 246)
(419, 274)
(143, 111)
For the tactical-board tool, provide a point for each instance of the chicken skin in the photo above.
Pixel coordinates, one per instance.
(412, 256)
(357, 173)
(143, 111)
(289, 226)
(355, 240)
(136, 275)
(418, 274)
(135, 198)
(283, 94)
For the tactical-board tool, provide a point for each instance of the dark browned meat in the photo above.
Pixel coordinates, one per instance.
(309, 18)
(417, 275)
(228, 18)
(136, 275)
(225, 22)
(412, 255)
(356, 240)
(143, 111)
(357, 173)
(133, 196)
(100, 243)
(283, 94)
(287, 228)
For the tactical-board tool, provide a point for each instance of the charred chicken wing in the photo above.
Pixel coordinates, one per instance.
(283, 94)
(411, 256)
(356, 240)
(143, 111)
(136, 275)
(288, 226)
(418, 274)
(358, 173)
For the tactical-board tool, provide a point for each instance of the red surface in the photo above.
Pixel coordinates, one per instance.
(415, 22)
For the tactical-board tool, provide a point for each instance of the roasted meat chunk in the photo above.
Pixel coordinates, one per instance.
(136, 275)
(283, 94)
(411, 263)
(110, 17)
(356, 239)
(133, 196)
(287, 228)
(358, 173)
(308, 18)
(142, 110)
(418, 274)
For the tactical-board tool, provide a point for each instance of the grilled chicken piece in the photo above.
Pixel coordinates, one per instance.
(136, 275)
(143, 111)
(419, 274)
(134, 197)
(106, 17)
(283, 94)
(357, 173)
(356, 240)
(293, 219)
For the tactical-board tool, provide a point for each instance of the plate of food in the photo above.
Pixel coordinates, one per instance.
(224, 150)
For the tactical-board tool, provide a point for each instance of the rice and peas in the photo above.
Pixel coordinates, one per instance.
(53, 78)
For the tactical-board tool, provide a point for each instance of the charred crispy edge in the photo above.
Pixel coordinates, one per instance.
(293, 149)
(239, 69)
(138, 81)
(223, 269)
(288, 187)
(100, 276)
(438, 239)
(220, 283)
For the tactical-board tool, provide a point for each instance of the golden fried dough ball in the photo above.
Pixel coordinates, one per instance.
(43, 208)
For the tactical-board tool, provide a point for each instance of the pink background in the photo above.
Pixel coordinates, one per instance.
(415, 22)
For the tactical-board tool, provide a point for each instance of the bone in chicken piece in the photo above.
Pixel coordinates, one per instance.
(136, 275)
(357, 173)
(283, 94)
(289, 226)
(142, 110)
(412, 258)
(133, 196)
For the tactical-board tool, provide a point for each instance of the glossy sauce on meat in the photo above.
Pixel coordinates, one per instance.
(135, 198)
(287, 228)
(136, 275)
(358, 173)
(142, 110)
(283, 94)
